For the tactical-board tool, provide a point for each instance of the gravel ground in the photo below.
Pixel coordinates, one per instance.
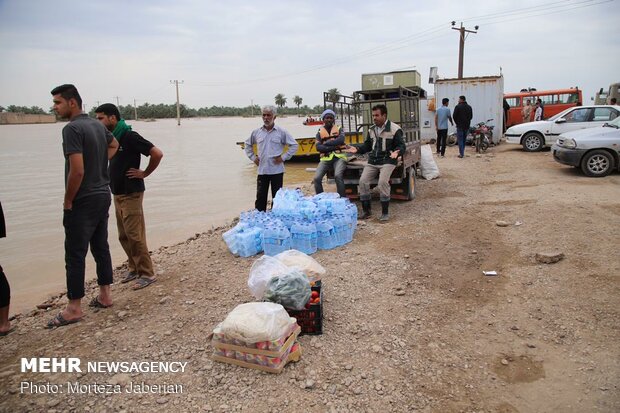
(411, 323)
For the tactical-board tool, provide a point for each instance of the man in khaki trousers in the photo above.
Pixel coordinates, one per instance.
(384, 144)
(127, 185)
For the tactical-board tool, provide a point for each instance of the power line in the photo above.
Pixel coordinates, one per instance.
(416, 38)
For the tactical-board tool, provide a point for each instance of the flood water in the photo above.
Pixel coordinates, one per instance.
(204, 180)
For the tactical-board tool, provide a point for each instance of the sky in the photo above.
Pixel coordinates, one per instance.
(233, 53)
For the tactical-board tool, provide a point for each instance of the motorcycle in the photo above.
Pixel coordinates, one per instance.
(479, 135)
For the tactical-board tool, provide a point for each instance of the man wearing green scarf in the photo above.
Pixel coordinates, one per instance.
(127, 185)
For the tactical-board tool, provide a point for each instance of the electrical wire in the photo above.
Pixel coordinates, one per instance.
(419, 38)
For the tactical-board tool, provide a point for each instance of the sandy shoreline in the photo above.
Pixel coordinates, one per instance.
(411, 323)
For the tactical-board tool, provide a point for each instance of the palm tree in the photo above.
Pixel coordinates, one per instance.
(280, 100)
(333, 96)
(297, 101)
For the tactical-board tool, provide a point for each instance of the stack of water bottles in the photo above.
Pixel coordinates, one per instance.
(303, 223)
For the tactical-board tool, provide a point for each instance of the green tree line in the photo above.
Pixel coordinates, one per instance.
(32, 110)
(162, 111)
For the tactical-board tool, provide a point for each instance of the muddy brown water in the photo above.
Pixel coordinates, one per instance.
(203, 181)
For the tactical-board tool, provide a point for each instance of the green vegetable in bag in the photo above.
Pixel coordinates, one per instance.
(292, 290)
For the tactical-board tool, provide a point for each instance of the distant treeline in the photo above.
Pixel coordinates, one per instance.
(159, 111)
(32, 110)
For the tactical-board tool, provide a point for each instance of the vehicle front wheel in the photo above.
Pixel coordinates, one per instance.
(597, 163)
(533, 142)
(484, 145)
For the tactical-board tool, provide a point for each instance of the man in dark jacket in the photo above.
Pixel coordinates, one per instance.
(462, 116)
(385, 144)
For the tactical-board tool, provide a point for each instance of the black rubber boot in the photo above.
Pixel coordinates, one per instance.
(385, 206)
(366, 210)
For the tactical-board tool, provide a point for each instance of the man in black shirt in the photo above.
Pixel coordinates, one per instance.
(462, 116)
(127, 184)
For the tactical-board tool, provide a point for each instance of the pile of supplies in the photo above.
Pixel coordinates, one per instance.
(257, 335)
(262, 335)
(303, 223)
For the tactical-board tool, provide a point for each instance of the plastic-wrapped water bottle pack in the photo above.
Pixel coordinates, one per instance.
(303, 223)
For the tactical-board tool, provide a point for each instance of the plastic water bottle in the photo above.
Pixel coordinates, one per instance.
(231, 236)
(250, 242)
(325, 235)
(340, 222)
(276, 239)
(351, 211)
(312, 234)
(302, 235)
(297, 236)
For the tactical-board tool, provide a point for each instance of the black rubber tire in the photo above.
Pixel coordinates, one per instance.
(533, 142)
(410, 183)
(451, 140)
(597, 164)
(484, 145)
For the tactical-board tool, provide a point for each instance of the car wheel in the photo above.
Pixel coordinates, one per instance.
(533, 142)
(597, 163)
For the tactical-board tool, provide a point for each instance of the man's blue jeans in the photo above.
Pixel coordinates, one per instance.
(339, 165)
(461, 134)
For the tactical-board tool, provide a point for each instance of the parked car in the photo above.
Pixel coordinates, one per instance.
(534, 136)
(595, 150)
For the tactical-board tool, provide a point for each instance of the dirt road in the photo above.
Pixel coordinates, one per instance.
(411, 322)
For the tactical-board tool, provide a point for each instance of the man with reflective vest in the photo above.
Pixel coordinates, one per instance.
(329, 143)
(385, 144)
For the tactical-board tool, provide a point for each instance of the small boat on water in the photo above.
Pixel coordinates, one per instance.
(307, 146)
(313, 122)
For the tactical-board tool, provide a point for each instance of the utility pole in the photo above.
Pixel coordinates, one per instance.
(462, 30)
(117, 104)
(176, 83)
(252, 106)
(135, 110)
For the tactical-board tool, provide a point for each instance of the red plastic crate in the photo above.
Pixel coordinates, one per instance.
(310, 320)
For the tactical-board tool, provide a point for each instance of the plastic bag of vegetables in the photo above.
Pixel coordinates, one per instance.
(262, 271)
(291, 289)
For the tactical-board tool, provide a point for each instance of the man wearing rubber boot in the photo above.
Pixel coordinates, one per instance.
(385, 144)
(330, 142)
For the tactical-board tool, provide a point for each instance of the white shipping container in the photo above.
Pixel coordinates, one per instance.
(484, 94)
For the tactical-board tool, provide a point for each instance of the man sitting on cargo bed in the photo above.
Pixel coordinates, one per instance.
(329, 142)
(387, 138)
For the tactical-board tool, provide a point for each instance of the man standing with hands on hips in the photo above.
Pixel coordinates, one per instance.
(87, 146)
(270, 141)
(127, 185)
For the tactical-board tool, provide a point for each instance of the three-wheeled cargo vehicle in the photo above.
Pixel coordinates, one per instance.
(354, 114)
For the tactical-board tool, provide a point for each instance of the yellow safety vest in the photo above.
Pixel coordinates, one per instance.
(324, 135)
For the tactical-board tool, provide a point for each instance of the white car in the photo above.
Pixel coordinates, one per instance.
(534, 136)
(595, 150)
